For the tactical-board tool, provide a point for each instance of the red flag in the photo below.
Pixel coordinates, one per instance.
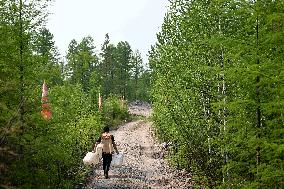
(45, 108)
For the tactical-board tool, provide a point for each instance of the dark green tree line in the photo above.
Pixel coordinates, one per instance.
(117, 70)
(81, 62)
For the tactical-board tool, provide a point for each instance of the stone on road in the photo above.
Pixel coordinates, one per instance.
(143, 164)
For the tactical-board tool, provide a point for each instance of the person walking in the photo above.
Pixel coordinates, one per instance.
(108, 146)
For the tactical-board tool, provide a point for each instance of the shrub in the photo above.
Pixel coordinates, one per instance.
(115, 111)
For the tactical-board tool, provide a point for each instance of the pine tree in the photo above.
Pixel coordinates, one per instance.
(82, 61)
(107, 68)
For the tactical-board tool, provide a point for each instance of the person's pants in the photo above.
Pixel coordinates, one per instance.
(106, 163)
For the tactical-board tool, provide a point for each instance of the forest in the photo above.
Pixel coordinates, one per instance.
(217, 90)
(39, 153)
(215, 81)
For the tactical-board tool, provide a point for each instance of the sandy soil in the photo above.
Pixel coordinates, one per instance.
(143, 165)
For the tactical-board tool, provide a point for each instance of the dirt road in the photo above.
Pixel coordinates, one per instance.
(143, 165)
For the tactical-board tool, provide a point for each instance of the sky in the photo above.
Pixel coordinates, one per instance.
(135, 21)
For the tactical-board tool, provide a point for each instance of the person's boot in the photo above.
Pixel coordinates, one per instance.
(106, 174)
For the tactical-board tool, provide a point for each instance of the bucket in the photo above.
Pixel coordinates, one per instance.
(117, 159)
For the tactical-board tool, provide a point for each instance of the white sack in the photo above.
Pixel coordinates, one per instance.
(91, 158)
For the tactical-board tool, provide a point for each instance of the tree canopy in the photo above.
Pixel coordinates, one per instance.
(39, 153)
(217, 90)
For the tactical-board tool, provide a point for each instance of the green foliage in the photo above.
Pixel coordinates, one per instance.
(120, 71)
(215, 90)
(81, 62)
(53, 150)
(140, 79)
(47, 56)
(36, 153)
(116, 70)
(115, 111)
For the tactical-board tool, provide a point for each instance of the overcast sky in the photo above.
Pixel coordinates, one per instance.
(135, 21)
